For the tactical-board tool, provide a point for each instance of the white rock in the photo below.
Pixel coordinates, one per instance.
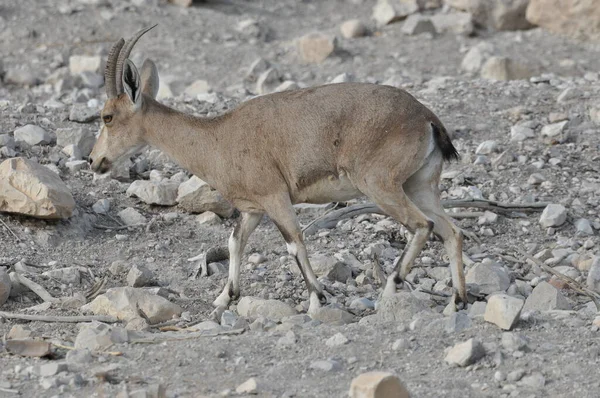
(476, 56)
(122, 303)
(268, 81)
(503, 68)
(520, 133)
(342, 78)
(554, 215)
(459, 23)
(197, 87)
(253, 307)
(326, 365)
(250, 386)
(332, 315)
(316, 47)
(353, 28)
(164, 194)
(377, 385)
(464, 354)
(503, 310)
(336, 340)
(545, 297)
(208, 218)
(256, 258)
(584, 227)
(487, 147)
(554, 129)
(96, 336)
(388, 11)
(31, 189)
(84, 63)
(286, 85)
(329, 267)
(34, 135)
(400, 307)
(131, 216)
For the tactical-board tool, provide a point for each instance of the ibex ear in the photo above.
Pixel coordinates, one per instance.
(149, 78)
(132, 83)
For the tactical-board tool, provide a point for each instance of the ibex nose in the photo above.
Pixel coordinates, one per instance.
(90, 160)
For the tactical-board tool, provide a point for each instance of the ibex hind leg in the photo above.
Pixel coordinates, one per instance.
(423, 189)
(281, 211)
(237, 242)
(394, 202)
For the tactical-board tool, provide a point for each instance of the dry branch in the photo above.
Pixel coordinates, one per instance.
(37, 289)
(61, 319)
(330, 219)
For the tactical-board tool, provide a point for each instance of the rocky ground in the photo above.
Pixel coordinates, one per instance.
(523, 109)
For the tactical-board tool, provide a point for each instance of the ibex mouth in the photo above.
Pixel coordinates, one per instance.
(101, 166)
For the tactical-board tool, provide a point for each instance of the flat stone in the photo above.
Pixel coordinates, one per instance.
(34, 135)
(503, 310)
(388, 11)
(101, 206)
(83, 114)
(330, 267)
(208, 218)
(377, 385)
(457, 322)
(154, 193)
(31, 189)
(122, 303)
(68, 275)
(326, 365)
(464, 354)
(521, 133)
(84, 63)
(514, 342)
(503, 68)
(417, 24)
(545, 297)
(76, 165)
(97, 336)
(51, 369)
(253, 307)
(332, 315)
(554, 129)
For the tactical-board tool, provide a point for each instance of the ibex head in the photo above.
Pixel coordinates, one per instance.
(122, 130)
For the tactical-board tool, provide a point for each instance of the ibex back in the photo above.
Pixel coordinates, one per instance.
(316, 145)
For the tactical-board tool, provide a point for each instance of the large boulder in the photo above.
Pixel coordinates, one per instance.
(576, 18)
(495, 14)
(31, 189)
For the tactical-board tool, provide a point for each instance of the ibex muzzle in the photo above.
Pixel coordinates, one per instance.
(316, 145)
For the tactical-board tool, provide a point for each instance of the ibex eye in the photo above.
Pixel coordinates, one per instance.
(107, 119)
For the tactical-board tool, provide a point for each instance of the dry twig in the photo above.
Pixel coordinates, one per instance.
(36, 288)
(10, 230)
(58, 318)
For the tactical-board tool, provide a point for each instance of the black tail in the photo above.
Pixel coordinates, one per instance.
(443, 141)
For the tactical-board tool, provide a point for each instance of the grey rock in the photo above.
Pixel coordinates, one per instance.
(196, 196)
(362, 303)
(34, 135)
(315, 47)
(388, 11)
(514, 342)
(477, 309)
(400, 307)
(102, 206)
(7, 141)
(554, 215)
(490, 278)
(521, 133)
(584, 227)
(330, 267)
(503, 68)
(80, 137)
(545, 297)
(131, 216)
(253, 307)
(96, 336)
(79, 359)
(332, 315)
(417, 24)
(593, 278)
(534, 381)
(228, 318)
(84, 63)
(554, 129)
(353, 28)
(139, 276)
(69, 275)
(164, 194)
(326, 365)
(123, 303)
(464, 354)
(83, 114)
(76, 165)
(457, 322)
(503, 310)
(5, 286)
(289, 339)
(51, 369)
(336, 340)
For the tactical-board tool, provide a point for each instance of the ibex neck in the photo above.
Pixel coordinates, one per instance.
(186, 139)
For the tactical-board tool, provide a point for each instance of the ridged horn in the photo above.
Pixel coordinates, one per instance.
(109, 69)
(124, 54)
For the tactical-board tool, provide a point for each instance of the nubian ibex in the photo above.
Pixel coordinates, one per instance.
(315, 145)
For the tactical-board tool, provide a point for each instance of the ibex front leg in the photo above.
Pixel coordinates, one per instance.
(284, 216)
(237, 242)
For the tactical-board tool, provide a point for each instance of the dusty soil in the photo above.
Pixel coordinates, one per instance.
(201, 42)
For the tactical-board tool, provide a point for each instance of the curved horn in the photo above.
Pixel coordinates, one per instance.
(109, 69)
(124, 54)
